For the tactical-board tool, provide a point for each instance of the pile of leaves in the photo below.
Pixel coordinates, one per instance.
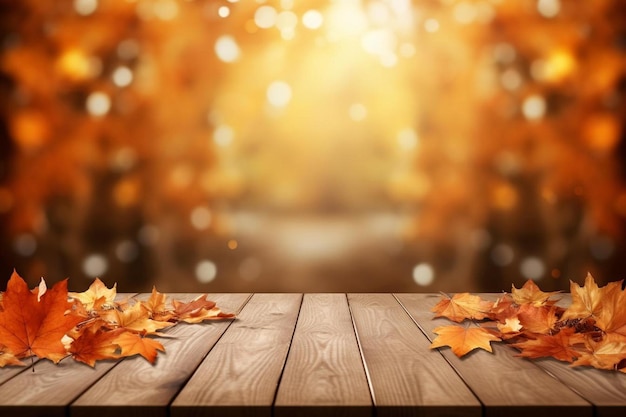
(88, 326)
(590, 332)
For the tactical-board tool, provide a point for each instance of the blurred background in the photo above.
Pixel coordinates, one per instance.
(313, 145)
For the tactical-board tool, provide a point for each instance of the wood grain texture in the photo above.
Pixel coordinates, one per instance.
(10, 371)
(136, 387)
(406, 377)
(48, 390)
(506, 385)
(241, 373)
(324, 373)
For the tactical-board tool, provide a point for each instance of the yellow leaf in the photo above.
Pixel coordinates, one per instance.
(96, 296)
(136, 318)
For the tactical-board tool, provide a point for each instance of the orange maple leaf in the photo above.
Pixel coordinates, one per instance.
(157, 307)
(97, 296)
(612, 316)
(133, 344)
(559, 346)
(589, 299)
(31, 327)
(463, 339)
(94, 344)
(538, 319)
(531, 294)
(463, 306)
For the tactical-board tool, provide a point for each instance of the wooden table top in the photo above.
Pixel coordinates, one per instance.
(312, 355)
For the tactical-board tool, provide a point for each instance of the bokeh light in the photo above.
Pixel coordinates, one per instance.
(326, 145)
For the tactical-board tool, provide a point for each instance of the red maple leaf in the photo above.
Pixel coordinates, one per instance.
(33, 323)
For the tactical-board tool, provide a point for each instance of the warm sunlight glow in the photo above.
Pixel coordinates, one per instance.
(327, 145)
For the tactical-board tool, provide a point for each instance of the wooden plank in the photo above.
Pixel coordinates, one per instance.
(240, 375)
(606, 390)
(136, 387)
(50, 388)
(324, 373)
(506, 385)
(9, 372)
(406, 377)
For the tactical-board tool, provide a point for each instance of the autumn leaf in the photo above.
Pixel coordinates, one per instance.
(538, 319)
(463, 339)
(8, 358)
(198, 310)
(531, 294)
(606, 354)
(463, 306)
(31, 327)
(612, 316)
(97, 296)
(510, 326)
(135, 344)
(95, 344)
(157, 307)
(588, 300)
(559, 346)
(135, 318)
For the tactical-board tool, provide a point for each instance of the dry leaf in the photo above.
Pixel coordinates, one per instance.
(463, 306)
(531, 294)
(560, 346)
(7, 358)
(30, 327)
(135, 344)
(95, 344)
(157, 307)
(198, 310)
(97, 296)
(135, 318)
(463, 339)
(608, 353)
(538, 319)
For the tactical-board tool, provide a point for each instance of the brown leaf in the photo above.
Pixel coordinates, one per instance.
(463, 339)
(30, 327)
(463, 306)
(198, 310)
